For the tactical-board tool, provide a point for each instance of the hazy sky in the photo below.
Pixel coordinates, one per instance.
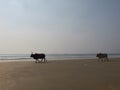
(59, 26)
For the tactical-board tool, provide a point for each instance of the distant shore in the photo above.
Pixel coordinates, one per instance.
(78, 74)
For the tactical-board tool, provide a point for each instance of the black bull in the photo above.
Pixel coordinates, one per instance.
(102, 57)
(37, 56)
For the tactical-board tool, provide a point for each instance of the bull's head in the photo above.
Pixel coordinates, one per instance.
(98, 55)
(32, 54)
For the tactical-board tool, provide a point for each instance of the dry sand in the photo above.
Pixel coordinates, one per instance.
(60, 75)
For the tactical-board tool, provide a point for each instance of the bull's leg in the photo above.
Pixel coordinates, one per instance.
(102, 59)
(36, 61)
(45, 59)
(107, 59)
(41, 60)
(98, 59)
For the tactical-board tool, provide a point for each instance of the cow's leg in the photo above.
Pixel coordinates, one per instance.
(98, 59)
(102, 59)
(45, 59)
(41, 60)
(36, 60)
(107, 59)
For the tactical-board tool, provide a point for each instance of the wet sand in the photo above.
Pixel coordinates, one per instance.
(60, 75)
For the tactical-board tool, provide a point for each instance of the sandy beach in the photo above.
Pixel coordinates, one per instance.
(60, 75)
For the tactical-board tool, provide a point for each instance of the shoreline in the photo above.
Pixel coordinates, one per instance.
(32, 60)
(26, 57)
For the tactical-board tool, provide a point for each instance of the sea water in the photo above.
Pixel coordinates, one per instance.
(53, 56)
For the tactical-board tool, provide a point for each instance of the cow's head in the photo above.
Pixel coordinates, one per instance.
(98, 55)
(32, 54)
